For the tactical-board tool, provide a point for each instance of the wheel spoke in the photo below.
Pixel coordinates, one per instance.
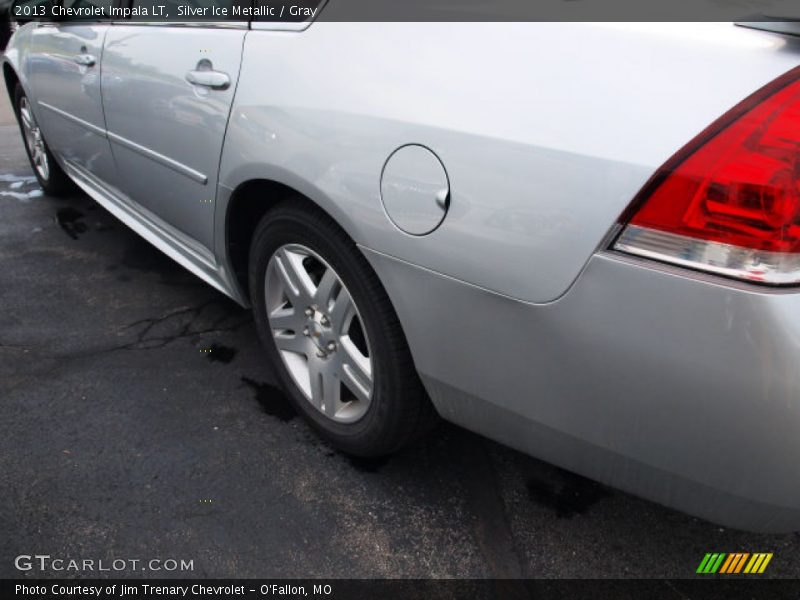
(325, 388)
(286, 318)
(24, 112)
(327, 286)
(293, 275)
(355, 370)
(292, 342)
(343, 311)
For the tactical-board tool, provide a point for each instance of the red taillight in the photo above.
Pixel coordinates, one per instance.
(730, 202)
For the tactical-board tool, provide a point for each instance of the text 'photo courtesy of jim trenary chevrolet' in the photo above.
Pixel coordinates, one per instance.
(434, 299)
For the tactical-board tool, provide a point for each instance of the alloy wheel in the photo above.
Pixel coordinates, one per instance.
(319, 333)
(33, 139)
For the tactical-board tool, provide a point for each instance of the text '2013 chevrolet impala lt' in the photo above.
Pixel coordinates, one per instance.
(580, 240)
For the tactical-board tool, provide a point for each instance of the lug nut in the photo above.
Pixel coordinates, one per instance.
(309, 311)
(324, 321)
(331, 346)
(305, 331)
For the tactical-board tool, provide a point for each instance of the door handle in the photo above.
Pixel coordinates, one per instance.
(85, 60)
(216, 80)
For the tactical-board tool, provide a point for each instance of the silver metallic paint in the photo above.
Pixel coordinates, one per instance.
(564, 144)
(664, 384)
(166, 133)
(73, 121)
(675, 385)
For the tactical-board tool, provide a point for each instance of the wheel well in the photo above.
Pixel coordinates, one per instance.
(11, 80)
(248, 204)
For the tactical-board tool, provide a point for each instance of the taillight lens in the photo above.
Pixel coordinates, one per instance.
(730, 201)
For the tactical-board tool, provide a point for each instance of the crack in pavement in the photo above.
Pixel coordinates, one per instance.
(153, 321)
(194, 314)
(144, 341)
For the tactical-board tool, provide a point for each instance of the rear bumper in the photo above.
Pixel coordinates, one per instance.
(677, 387)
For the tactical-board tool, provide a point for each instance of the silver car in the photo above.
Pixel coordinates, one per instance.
(580, 240)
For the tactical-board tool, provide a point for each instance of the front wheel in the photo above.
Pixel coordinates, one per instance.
(332, 334)
(51, 178)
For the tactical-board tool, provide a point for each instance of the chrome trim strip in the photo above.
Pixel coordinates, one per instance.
(160, 158)
(762, 266)
(85, 124)
(185, 251)
(151, 154)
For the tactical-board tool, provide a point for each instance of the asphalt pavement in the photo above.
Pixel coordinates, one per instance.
(139, 421)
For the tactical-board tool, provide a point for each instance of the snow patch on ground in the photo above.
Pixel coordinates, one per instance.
(16, 184)
(11, 178)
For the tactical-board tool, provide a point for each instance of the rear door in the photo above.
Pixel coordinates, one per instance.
(63, 71)
(167, 93)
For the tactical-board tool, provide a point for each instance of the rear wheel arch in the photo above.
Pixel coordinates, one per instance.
(246, 206)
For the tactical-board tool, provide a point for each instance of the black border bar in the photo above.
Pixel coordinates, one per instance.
(700, 588)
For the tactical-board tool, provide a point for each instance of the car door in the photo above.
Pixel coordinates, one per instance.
(168, 90)
(63, 72)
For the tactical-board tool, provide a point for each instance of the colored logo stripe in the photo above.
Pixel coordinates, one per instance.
(720, 562)
(711, 563)
(734, 563)
(758, 563)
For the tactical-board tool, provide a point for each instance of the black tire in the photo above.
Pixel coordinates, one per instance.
(399, 411)
(57, 182)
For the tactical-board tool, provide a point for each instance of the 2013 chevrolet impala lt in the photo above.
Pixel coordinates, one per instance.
(581, 240)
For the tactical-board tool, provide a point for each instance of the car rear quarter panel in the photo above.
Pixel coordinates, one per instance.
(547, 131)
(678, 387)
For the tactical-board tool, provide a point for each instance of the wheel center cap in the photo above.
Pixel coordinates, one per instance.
(315, 328)
(318, 331)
